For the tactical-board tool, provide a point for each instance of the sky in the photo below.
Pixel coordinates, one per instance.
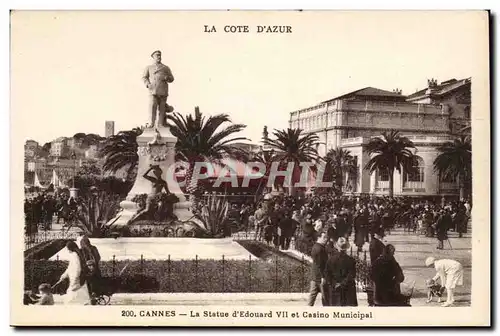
(72, 71)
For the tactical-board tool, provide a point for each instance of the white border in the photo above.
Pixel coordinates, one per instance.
(148, 4)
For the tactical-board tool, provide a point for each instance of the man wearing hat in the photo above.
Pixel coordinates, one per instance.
(318, 281)
(156, 78)
(377, 245)
(340, 276)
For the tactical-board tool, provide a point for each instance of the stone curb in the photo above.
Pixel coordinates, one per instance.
(212, 297)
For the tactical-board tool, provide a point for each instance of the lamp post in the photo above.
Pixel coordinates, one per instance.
(73, 192)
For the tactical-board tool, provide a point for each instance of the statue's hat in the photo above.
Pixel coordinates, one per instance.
(156, 51)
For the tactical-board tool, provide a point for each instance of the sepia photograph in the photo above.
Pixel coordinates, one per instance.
(248, 168)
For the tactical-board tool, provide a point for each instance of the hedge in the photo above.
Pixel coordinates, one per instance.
(185, 276)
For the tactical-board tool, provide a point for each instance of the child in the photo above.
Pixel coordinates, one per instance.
(46, 298)
(30, 298)
(434, 290)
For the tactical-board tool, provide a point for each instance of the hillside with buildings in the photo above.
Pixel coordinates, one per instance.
(56, 161)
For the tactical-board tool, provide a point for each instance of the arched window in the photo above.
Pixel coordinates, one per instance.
(418, 174)
(382, 175)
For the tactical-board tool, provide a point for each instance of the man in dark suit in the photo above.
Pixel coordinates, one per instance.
(361, 227)
(376, 245)
(156, 78)
(340, 276)
(442, 226)
(375, 222)
(341, 225)
(318, 281)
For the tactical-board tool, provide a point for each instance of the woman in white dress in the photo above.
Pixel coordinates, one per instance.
(451, 274)
(77, 292)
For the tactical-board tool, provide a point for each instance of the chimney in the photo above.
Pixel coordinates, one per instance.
(397, 91)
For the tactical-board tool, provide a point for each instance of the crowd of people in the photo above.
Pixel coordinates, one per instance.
(40, 210)
(324, 227)
(280, 220)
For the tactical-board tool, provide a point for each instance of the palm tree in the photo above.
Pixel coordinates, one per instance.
(455, 161)
(339, 162)
(265, 157)
(201, 139)
(292, 145)
(390, 152)
(120, 152)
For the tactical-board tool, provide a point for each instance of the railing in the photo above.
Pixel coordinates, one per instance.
(351, 141)
(381, 187)
(422, 138)
(189, 275)
(45, 236)
(413, 185)
(273, 275)
(310, 109)
(448, 186)
(392, 107)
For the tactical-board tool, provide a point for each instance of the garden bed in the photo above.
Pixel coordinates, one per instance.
(177, 276)
(269, 271)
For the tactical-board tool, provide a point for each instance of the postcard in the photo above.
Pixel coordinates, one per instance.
(250, 168)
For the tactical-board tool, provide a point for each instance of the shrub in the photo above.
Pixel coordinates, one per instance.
(214, 214)
(37, 272)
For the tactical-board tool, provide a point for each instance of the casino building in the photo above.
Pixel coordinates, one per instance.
(428, 117)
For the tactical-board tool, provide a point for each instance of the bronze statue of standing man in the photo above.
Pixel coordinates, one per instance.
(156, 78)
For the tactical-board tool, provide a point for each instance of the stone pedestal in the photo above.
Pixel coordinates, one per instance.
(155, 146)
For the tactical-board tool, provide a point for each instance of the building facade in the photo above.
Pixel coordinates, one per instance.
(74, 143)
(59, 148)
(92, 152)
(428, 117)
(64, 168)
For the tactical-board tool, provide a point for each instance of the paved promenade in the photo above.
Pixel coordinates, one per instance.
(411, 252)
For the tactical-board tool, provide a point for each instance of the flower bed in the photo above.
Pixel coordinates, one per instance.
(186, 276)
